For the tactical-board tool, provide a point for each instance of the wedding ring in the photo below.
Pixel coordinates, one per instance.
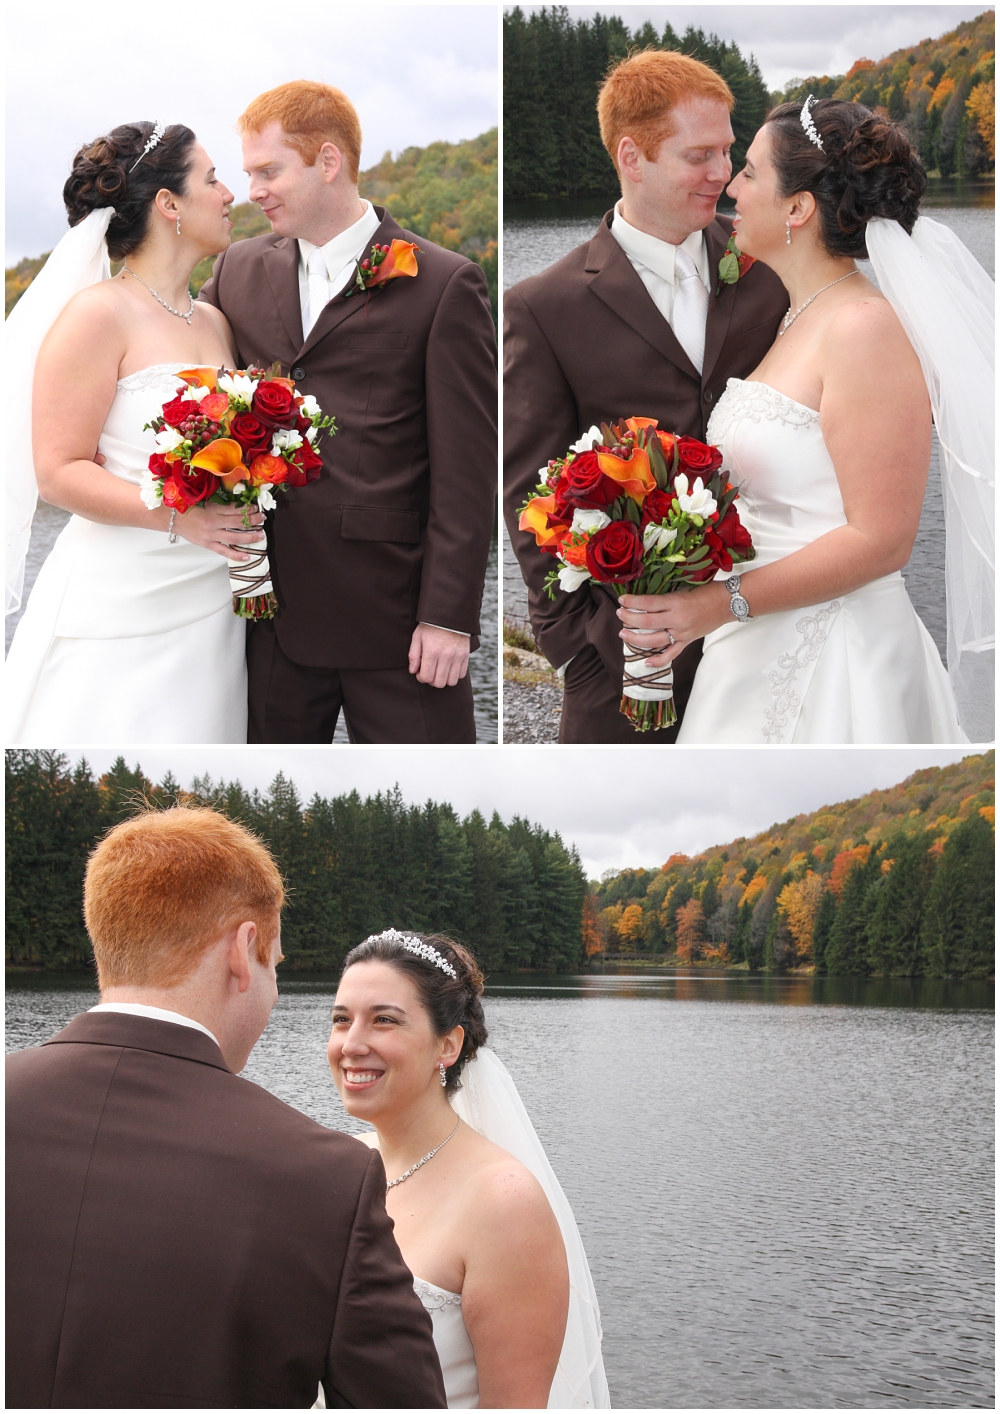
(670, 638)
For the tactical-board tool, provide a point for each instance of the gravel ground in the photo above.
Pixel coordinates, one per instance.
(531, 713)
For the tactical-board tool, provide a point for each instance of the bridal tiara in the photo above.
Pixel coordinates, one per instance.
(415, 946)
(158, 132)
(808, 126)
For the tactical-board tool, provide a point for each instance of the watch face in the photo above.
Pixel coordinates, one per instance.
(740, 607)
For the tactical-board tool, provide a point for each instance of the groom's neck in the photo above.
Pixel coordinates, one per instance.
(327, 222)
(654, 220)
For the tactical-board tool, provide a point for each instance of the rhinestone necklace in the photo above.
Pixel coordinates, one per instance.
(790, 318)
(179, 312)
(420, 1162)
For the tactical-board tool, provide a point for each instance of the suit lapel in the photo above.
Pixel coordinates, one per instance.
(720, 307)
(341, 307)
(614, 280)
(281, 265)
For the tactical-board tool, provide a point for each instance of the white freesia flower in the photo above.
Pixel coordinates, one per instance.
(571, 578)
(543, 476)
(264, 498)
(150, 491)
(657, 537)
(168, 440)
(238, 387)
(312, 434)
(239, 488)
(586, 521)
(586, 442)
(196, 394)
(697, 502)
(285, 440)
(310, 407)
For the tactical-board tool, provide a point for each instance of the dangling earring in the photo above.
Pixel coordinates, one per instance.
(788, 231)
(178, 223)
(444, 1074)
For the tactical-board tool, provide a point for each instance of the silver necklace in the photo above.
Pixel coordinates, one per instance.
(790, 318)
(420, 1162)
(179, 312)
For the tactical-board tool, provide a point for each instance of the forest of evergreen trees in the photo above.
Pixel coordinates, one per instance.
(514, 891)
(553, 67)
(898, 884)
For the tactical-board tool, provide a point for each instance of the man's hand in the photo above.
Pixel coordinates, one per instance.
(438, 656)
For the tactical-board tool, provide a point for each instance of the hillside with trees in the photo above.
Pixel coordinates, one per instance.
(353, 866)
(943, 89)
(446, 192)
(898, 884)
(553, 67)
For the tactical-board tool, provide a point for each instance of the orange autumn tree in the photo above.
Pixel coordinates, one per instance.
(690, 930)
(799, 902)
(844, 863)
(590, 929)
(629, 926)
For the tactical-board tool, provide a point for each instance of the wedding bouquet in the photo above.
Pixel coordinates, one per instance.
(646, 512)
(231, 437)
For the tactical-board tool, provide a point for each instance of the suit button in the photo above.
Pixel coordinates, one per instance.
(709, 395)
(298, 373)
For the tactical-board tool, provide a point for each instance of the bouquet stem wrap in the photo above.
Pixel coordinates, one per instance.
(647, 692)
(250, 581)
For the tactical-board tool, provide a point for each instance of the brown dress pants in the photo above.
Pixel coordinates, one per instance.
(293, 703)
(592, 697)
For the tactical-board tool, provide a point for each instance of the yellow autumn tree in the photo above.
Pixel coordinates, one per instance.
(629, 926)
(799, 902)
(981, 106)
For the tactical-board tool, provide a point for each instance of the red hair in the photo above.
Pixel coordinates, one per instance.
(163, 886)
(640, 92)
(309, 114)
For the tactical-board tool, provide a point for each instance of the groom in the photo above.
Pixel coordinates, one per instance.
(176, 1236)
(379, 565)
(635, 322)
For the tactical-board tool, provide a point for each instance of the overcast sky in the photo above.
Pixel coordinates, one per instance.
(417, 74)
(796, 40)
(621, 808)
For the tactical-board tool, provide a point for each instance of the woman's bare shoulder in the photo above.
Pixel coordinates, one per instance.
(500, 1185)
(369, 1137)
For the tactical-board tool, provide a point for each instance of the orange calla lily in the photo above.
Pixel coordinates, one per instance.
(401, 260)
(200, 377)
(215, 406)
(635, 423)
(634, 476)
(535, 517)
(220, 457)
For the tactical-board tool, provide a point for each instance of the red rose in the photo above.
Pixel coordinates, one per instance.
(656, 507)
(176, 412)
(614, 553)
(696, 457)
(159, 465)
(582, 483)
(274, 403)
(193, 484)
(304, 465)
(728, 534)
(252, 435)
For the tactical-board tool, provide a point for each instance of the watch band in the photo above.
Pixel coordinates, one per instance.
(737, 604)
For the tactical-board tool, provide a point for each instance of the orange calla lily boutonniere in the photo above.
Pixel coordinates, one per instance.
(382, 264)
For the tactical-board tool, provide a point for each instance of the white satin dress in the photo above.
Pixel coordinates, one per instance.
(859, 668)
(126, 638)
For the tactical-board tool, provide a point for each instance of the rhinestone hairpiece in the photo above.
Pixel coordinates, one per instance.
(808, 126)
(158, 132)
(415, 946)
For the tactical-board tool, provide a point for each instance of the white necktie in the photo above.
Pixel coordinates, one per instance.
(319, 288)
(690, 309)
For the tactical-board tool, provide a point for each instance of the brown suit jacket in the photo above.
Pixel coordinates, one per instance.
(585, 344)
(179, 1238)
(397, 529)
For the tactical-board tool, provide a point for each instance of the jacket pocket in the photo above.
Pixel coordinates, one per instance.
(379, 523)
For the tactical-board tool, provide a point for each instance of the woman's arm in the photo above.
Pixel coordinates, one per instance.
(75, 381)
(515, 1295)
(876, 421)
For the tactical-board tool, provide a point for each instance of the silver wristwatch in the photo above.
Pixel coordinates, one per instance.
(738, 605)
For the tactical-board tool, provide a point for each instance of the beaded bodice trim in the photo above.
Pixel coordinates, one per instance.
(745, 399)
(435, 1298)
(155, 376)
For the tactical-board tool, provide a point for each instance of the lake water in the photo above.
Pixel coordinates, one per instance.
(536, 234)
(784, 1185)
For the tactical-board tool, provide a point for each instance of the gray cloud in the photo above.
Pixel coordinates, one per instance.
(621, 811)
(417, 73)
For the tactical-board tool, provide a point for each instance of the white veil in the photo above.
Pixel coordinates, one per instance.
(489, 1102)
(80, 259)
(945, 302)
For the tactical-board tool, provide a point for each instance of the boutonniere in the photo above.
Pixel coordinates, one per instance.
(733, 265)
(382, 264)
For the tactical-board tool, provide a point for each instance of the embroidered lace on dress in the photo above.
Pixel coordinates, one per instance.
(745, 399)
(433, 1297)
(152, 377)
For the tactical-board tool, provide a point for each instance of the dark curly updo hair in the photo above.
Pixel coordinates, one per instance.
(102, 176)
(867, 168)
(449, 1001)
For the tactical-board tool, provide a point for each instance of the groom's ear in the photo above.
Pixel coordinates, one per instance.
(331, 161)
(628, 160)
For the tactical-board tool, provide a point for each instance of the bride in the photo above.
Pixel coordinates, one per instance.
(829, 441)
(129, 632)
(479, 1215)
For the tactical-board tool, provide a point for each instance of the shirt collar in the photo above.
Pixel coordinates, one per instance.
(658, 256)
(156, 1013)
(346, 247)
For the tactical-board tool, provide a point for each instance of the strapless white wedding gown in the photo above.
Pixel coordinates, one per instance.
(860, 668)
(125, 637)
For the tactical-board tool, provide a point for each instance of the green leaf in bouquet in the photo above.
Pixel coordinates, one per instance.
(615, 510)
(658, 463)
(608, 435)
(698, 554)
(632, 512)
(275, 370)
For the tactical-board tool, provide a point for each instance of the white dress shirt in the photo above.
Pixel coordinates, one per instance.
(157, 1013)
(655, 261)
(340, 256)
